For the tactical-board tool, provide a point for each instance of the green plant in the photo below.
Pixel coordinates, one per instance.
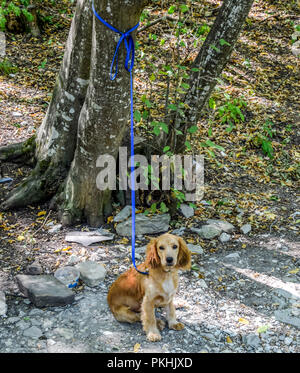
(14, 7)
(263, 139)
(7, 68)
(231, 112)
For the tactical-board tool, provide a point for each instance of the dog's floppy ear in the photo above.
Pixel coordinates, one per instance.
(152, 258)
(184, 255)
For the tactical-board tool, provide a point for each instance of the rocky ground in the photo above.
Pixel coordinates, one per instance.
(244, 297)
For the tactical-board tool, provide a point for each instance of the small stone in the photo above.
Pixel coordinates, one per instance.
(197, 249)
(91, 273)
(224, 237)
(55, 228)
(288, 341)
(34, 268)
(207, 231)
(186, 210)
(33, 332)
(105, 232)
(296, 48)
(12, 320)
(3, 306)
(73, 259)
(50, 342)
(246, 228)
(123, 214)
(222, 224)
(22, 324)
(17, 114)
(64, 332)
(178, 231)
(252, 340)
(232, 257)
(202, 284)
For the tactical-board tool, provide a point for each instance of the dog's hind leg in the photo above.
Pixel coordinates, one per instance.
(125, 314)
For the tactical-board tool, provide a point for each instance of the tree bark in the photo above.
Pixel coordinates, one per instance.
(210, 62)
(86, 117)
(56, 137)
(103, 118)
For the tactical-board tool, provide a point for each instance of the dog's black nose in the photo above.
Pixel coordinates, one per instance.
(169, 260)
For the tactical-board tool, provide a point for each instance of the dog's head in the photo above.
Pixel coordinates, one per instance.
(168, 251)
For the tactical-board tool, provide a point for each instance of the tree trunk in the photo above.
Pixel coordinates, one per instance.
(86, 118)
(56, 137)
(210, 62)
(103, 118)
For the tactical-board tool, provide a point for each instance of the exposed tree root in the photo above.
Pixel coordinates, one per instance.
(41, 185)
(19, 153)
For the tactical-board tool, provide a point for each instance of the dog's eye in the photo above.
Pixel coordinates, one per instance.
(161, 248)
(175, 247)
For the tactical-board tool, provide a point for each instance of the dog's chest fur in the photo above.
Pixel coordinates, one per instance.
(164, 291)
(169, 286)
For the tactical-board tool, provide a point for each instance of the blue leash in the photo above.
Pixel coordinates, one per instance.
(129, 63)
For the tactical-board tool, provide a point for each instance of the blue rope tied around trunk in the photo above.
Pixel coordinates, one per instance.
(126, 37)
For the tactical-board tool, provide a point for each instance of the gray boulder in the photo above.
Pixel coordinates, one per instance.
(222, 224)
(145, 225)
(44, 290)
(207, 231)
(91, 273)
(286, 316)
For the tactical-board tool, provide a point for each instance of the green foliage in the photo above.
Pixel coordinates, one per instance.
(7, 68)
(263, 138)
(231, 112)
(14, 7)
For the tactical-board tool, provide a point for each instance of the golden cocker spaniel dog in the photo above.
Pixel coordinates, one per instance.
(134, 296)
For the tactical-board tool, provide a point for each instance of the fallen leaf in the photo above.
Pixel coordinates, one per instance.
(41, 213)
(262, 329)
(294, 271)
(124, 240)
(228, 339)
(243, 321)
(136, 347)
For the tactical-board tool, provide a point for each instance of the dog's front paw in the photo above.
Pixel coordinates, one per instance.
(153, 337)
(176, 326)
